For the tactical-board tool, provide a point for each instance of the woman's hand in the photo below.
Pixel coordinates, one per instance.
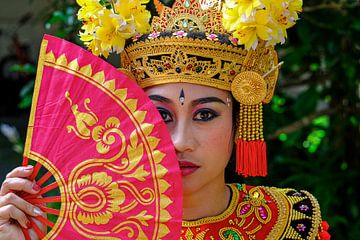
(14, 209)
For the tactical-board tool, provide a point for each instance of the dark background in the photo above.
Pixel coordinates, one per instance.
(311, 125)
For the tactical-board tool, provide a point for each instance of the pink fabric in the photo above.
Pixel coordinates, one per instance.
(61, 98)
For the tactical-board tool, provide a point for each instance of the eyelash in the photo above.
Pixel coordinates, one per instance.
(212, 114)
(162, 112)
(167, 117)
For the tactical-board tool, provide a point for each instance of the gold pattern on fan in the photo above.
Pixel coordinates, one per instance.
(126, 161)
(249, 88)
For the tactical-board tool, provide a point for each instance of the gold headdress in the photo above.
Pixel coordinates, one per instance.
(230, 47)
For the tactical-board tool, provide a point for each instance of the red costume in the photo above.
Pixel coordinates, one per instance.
(262, 213)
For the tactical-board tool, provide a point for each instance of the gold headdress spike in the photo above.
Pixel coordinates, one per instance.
(229, 46)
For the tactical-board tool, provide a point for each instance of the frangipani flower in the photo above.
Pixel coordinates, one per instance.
(107, 24)
(267, 20)
(252, 31)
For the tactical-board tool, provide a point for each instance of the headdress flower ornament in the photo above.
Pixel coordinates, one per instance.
(254, 20)
(107, 24)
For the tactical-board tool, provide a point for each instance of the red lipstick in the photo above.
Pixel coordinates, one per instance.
(187, 168)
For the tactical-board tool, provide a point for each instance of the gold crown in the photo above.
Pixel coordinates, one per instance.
(200, 61)
(189, 44)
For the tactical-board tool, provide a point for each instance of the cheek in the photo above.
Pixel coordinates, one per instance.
(219, 140)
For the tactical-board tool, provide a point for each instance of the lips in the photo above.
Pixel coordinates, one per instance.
(187, 168)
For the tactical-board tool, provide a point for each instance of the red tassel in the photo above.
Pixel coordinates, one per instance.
(251, 158)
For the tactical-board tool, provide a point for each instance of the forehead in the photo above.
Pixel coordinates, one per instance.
(192, 91)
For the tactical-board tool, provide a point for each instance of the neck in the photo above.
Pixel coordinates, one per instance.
(211, 200)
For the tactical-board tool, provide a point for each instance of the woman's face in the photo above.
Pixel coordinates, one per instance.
(199, 120)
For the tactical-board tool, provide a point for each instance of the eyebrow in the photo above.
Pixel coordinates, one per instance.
(193, 103)
(206, 100)
(160, 98)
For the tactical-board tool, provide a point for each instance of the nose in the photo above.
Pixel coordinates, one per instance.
(183, 137)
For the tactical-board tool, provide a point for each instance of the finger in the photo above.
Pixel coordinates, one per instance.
(19, 184)
(19, 203)
(21, 172)
(11, 212)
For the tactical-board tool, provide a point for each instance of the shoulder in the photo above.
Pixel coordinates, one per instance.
(292, 214)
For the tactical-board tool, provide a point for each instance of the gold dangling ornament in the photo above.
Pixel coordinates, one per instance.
(249, 89)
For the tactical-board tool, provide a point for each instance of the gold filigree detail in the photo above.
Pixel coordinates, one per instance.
(84, 120)
(198, 235)
(109, 198)
(104, 135)
(248, 88)
(189, 15)
(171, 59)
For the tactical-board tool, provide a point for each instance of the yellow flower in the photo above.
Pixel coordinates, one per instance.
(247, 6)
(113, 32)
(254, 20)
(105, 29)
(249, 33)
(133, 10)
(89, 9)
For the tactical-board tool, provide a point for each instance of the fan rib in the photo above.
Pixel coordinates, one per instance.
(44, 200)
(49, 210)
(26, 233)
(43, 179)
(45, 221)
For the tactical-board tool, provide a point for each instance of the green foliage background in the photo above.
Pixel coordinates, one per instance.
(312, 124)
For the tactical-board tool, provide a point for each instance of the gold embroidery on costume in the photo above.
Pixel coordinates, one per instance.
(253, 207)
(262, 213)
(197, 235)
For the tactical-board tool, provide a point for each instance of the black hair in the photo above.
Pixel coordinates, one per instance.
(230, 171)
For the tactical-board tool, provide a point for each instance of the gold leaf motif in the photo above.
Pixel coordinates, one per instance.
(133, 139)
(161, 171)
(147, 128)
(50, 57)
(139, 174)
(74, 65)
(99, 77)
(121, 93)
(86, 70)
(163, 185)
(153, 142)
(62, 61)
(163, 231)
(140, 116)
(165, 215)
(131, 104)
(110, 84)
(143, 218)
(158, 156)
(135, 155)
(165, 201)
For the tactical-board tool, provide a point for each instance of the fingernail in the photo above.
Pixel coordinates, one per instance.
(28, 224)
(28, 168)
(36, 187)
(37, 211)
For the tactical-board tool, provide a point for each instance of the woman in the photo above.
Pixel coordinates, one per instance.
(209, 86)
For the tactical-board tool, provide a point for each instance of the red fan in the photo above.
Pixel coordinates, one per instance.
(102, 154)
